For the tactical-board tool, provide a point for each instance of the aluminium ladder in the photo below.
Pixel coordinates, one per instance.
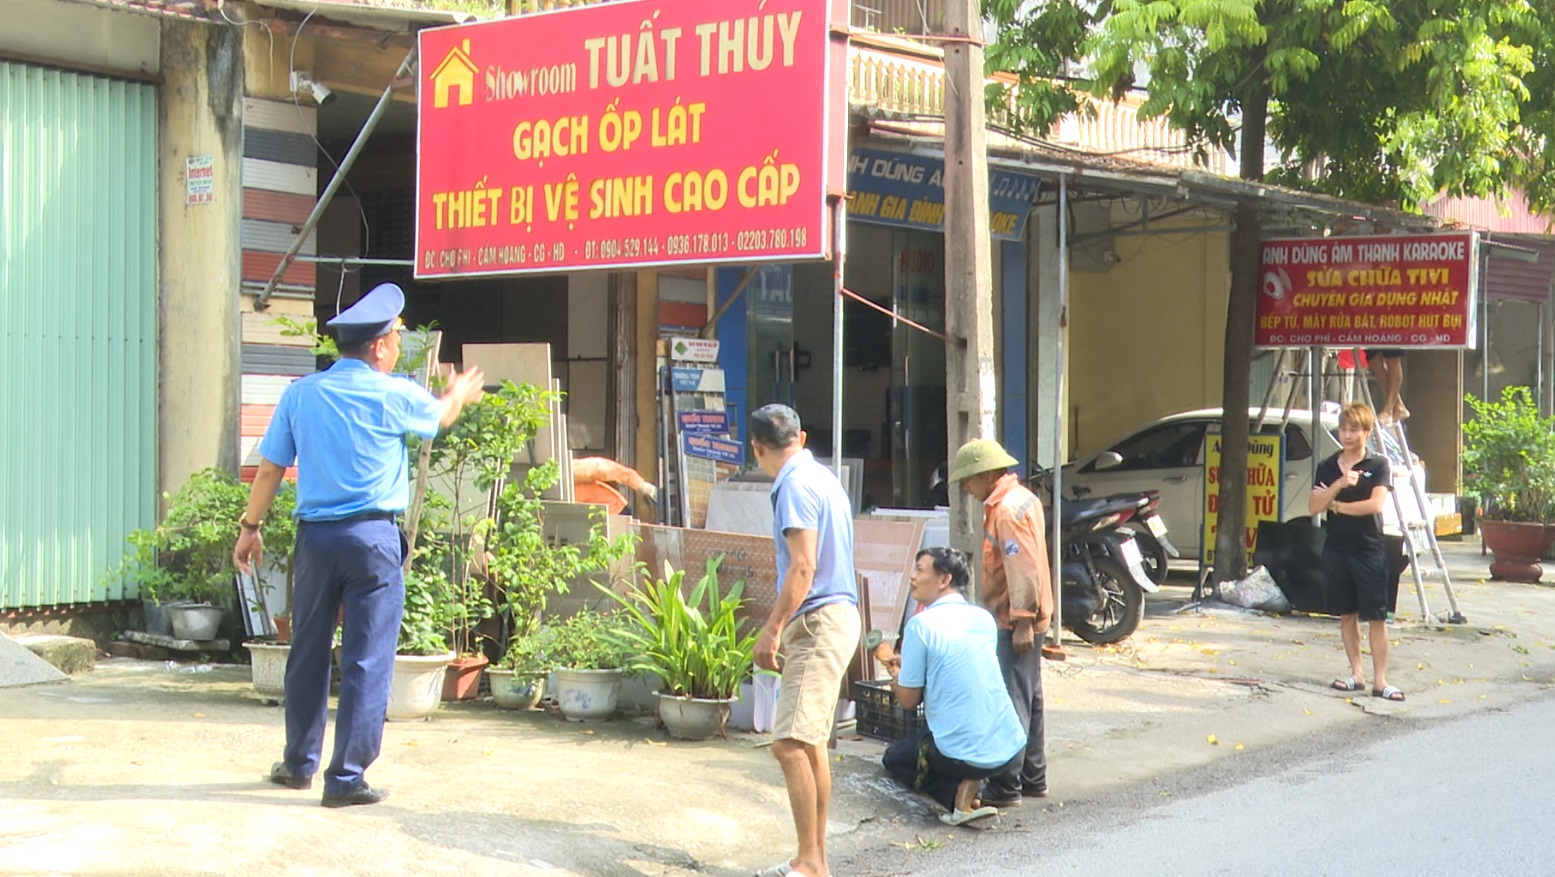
(1416, 518)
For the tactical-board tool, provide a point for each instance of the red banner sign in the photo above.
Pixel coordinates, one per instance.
(629, 134)
(1387, 291)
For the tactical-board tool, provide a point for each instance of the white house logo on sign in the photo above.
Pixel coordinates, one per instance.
(200, 179)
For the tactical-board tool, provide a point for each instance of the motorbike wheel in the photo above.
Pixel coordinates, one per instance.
(1122, 608)
(1153, 551)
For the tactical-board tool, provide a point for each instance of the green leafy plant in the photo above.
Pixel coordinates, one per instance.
(452, 551)
(694, 644)
(322, 345)
(529, 566)
(189, 555)
(528, 653)
(1509, 458)
(423, 627)
(588, 640)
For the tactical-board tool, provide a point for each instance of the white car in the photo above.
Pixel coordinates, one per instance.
(1168, 455)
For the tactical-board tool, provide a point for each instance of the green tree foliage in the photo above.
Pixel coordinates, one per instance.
(1509, 458)
(1375, 100)
(1388, 101)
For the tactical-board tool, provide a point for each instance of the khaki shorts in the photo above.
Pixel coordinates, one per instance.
(816, 648)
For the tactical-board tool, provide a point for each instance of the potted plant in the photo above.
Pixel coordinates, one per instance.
(422, 655)
(587, 656)
(527, 566)
(518, 678)
(695, 644)
(479, 447)
(1509, 464)
(183, 566)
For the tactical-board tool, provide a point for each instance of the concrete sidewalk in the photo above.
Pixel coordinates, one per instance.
(142, 769)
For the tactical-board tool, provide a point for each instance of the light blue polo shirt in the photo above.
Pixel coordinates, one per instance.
(345, 427)
(948, 650)
(807, 496)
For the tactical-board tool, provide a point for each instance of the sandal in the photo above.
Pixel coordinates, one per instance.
(1388, 692)
(781, 869)
(962, 817)
(1348, 683)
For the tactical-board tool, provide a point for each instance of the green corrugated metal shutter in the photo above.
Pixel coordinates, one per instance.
(78, 326)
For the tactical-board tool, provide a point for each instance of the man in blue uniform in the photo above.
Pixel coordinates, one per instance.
(345, 427)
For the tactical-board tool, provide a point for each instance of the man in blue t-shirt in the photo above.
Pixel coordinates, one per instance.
(345, 428)
(812, 632)
(949, 663)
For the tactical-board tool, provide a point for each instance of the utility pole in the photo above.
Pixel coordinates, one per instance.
(970, 383)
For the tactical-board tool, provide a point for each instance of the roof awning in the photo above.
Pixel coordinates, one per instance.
(1107, 173)
(381, 18)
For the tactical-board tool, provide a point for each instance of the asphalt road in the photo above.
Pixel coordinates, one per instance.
(1450, 797)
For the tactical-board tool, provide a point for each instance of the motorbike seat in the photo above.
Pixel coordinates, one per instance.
(1076, 511)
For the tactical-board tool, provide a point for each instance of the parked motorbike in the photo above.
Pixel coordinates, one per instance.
(1103, 574)
(1149, 530)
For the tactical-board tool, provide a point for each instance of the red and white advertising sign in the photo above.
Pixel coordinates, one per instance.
(1385, 291)
(629, 134)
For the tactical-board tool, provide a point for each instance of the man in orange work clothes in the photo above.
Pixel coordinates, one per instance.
(592, 478)
(1017, 588)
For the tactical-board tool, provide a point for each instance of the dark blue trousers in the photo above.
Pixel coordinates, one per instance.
(353, 565)
(918, 764)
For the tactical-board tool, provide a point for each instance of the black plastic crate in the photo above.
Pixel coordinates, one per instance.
(880, 716)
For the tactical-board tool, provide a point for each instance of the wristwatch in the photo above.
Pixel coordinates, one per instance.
(243, 522)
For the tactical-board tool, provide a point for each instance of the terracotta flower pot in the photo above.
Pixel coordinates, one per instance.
(1517, 548)
(464, 677)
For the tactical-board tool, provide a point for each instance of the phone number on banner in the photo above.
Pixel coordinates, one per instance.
(712, 244)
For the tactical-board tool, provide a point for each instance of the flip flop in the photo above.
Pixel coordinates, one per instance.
(1347, 683)
(962, 817)
(1388, 692)
(781, 869)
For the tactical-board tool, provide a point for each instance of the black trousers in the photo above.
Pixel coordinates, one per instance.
(1023, 678)
(915, 762)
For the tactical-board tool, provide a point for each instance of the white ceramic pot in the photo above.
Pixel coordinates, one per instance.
(417, 686)
(693, 718)
(268, 663)
(196, 621)
(515, 691)
(587, 694)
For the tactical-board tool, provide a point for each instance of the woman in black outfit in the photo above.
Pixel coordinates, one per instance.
(1351, 487)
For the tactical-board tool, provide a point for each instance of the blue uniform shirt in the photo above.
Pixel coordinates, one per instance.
(807, 496)
(346, 429)
(948, 650)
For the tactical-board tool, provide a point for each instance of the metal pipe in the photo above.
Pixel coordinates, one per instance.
(1314, 404)
(356, 260)
(1055, 533)
(839, 258)
(341, 170)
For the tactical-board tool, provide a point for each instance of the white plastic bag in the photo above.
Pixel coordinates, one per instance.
(1257, 591)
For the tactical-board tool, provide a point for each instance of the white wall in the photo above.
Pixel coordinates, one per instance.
(78, 34)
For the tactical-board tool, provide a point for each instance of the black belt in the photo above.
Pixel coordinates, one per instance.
(375, 516)
(361, 516)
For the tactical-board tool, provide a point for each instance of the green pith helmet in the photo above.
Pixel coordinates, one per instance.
(980, 455)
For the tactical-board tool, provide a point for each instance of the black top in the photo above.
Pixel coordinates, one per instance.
(1347, 531)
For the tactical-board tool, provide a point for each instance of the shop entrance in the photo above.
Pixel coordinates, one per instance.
(894, 376)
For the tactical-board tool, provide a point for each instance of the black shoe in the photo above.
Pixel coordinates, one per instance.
(1002, 800)
(1033, 790)
(363, 794)
(282, 775)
